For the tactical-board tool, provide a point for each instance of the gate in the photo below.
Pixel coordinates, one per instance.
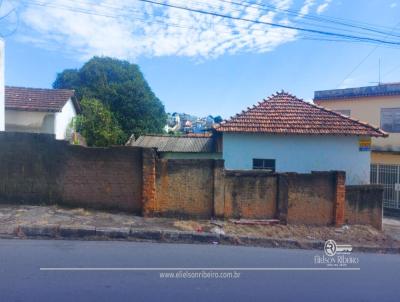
(389, 177)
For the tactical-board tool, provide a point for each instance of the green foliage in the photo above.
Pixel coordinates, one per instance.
(218, 119)
(97, 124)
(121, 87)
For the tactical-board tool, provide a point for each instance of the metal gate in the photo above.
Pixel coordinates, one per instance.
(389, 177)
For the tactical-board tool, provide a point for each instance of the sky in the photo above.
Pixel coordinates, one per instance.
(195, 63)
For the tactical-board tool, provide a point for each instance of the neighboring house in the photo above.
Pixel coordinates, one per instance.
(286, 134)
(379, 105)
(39, 110)
(179, 147)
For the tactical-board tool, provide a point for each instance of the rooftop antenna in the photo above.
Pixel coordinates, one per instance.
(379, 74)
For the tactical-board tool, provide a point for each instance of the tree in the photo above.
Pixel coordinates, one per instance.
(97, 124)
(218, 119)
(121, 87)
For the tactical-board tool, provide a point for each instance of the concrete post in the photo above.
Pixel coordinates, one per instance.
(340, 197)
(283, 198)
(149, 181)
(2, 84)
(219, 188)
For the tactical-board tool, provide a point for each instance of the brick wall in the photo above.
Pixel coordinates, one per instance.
(250, 194)
(37, 169)
(310, 198)
(103, 178)
(364, 205)
(184, 188)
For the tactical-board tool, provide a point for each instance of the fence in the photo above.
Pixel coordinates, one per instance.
(36, 169)
(389, 177)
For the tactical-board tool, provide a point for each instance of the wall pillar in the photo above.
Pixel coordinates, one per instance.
(283, 198)
(340, 198)
(149, 181)
(219, 188)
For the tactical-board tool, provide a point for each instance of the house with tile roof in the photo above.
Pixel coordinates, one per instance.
(39, 110)
(380, 105)
(191, 146)
(286, 134)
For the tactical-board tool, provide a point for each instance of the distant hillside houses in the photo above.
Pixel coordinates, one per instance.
(186, 123)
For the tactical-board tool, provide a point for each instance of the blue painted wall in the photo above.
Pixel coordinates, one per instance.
(297, 153)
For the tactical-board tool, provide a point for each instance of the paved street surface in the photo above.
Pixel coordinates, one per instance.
(22, 279)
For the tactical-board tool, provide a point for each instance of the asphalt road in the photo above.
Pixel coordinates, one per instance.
(22, 280)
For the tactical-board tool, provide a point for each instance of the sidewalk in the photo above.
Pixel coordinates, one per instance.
(24, 221)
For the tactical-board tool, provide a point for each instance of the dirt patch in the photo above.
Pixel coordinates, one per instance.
(11, 216)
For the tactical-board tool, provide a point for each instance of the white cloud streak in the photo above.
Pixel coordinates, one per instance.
(128, 29)
(323, 7)
(305, 9)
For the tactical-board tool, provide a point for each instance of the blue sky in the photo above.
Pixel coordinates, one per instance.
(186, 70)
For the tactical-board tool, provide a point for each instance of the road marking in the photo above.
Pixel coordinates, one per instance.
(199, 268)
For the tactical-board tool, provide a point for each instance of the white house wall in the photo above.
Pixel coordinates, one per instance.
(301, 154)
(27, 121)
(63, 119)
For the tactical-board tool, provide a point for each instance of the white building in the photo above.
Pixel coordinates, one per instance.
(286, 134)
(38, 110)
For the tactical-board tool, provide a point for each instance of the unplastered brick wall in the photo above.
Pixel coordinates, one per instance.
(184, 188)
(37, 169)
(308, 198)
(103, 178)
(364, 205)
(250, 194)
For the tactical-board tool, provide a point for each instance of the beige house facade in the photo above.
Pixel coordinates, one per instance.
(380, 106)
(376, 105)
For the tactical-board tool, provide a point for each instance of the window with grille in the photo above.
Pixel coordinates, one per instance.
(390, 119)
(264, 164)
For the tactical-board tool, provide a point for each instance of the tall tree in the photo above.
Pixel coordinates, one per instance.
(122, 88)
(97, 124)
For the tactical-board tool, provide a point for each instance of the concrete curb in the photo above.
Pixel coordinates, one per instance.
(134, 234)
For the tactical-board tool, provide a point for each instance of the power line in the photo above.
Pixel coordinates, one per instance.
(131, 9)
(392, 70)
(362, 61)
(338, 21)
(314, 31)
(89, 12)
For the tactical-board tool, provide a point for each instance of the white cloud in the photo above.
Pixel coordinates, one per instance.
(322, 7)
(393, 5)
(305, 9)
(130, 28)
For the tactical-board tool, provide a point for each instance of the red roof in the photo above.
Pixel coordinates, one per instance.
(37, 99)
(283, 113)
